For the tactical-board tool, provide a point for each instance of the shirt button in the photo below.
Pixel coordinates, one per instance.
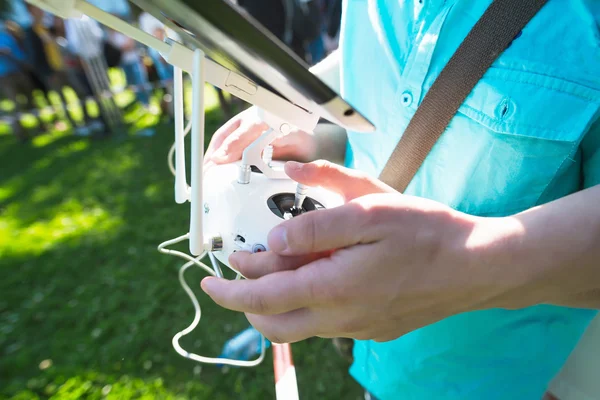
(406, 98)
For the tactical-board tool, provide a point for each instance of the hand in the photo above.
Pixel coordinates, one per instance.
(229, 142)
(379, 266)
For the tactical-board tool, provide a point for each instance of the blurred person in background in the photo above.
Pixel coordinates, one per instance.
(131, 59)
(19, 35)
(20, 15)
(19, 23)
(50, 64)
(164, 70)
(316, 47)
(131, 63)
(85, 42)
(154, 27)
(333, 20)
(120, 8)
(297, 23)
(15, 82)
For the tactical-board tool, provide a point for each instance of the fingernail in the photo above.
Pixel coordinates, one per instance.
(209, 285)
(278, 239)
(220, 154)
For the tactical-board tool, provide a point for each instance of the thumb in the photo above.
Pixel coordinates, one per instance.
(347, 182)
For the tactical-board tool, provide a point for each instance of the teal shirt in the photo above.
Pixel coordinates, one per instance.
(527, 134)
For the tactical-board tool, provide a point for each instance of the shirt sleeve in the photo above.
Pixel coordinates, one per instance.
(591, 155)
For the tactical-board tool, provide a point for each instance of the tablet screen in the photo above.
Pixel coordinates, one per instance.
(232, 38)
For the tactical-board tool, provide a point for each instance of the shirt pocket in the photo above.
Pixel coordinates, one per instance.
(523, 128)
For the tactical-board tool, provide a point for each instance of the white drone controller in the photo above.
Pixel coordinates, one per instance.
(233, 206)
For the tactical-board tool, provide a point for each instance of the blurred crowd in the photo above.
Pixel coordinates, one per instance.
(309, 27)
(42, 53)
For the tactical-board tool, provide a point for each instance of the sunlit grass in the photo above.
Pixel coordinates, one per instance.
(68, 220)
(49, 137)
(92, 385)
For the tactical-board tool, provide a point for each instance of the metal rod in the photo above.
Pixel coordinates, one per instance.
(196, 218)
(286, 385)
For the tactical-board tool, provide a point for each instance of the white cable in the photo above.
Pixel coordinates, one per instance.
(196, 357)
(215, 265)
(198, 312)
(162, 248)
(187, 130)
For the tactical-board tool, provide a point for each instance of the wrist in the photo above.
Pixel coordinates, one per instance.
(499, 253)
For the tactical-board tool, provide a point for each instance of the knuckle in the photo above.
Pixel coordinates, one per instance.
(259, 126)
(369, 214)
(304, 235)
(321, 167)
(225, 149)
(320, 164)
(275, 338)
(361, 214)
(366, 181)
(320, 291)
(256, 302)
(329, 294)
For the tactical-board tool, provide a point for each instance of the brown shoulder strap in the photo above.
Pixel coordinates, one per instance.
(490, 36)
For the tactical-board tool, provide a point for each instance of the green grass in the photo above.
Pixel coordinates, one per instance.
(88, 306)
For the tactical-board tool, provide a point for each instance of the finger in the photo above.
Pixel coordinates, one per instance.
(276, 293)
(254, 266)
(208, 165)
(303, 323)
(234, 145)
(347, 182)
(289, 327)
(220, 135)
(323, 230)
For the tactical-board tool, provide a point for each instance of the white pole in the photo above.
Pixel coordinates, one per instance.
(196, 226)
(286, 385)
(181, 188)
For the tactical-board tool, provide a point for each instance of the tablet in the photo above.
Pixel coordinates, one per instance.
(232, 38)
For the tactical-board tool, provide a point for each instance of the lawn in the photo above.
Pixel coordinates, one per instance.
(88, 306)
